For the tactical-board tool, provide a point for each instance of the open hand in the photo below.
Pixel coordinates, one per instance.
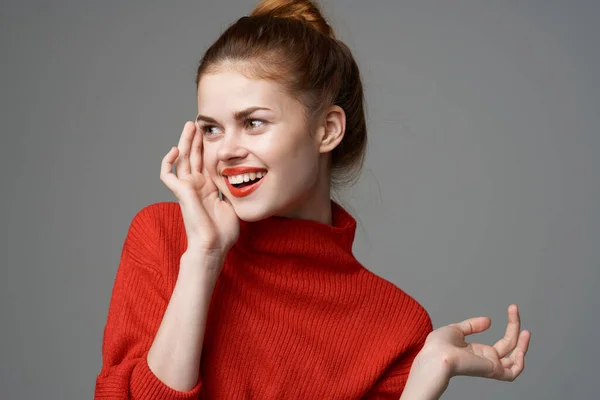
(476, 359)
(211, 224)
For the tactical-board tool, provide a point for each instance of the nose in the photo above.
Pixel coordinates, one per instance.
(231, 147)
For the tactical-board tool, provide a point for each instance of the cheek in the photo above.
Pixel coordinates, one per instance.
(301, 162)
(295, 143)
(301, 149)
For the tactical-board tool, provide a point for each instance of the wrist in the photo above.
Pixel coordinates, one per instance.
(205, 265)
(428, 378)
(432, 359)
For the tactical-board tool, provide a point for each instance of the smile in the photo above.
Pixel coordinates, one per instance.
(243, 185)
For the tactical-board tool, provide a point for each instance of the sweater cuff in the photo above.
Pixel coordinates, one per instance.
(146, 385)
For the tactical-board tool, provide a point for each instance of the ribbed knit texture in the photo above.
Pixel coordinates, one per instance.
(293, 315)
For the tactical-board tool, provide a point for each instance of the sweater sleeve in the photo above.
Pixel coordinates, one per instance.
(392, 382)
(137, 305)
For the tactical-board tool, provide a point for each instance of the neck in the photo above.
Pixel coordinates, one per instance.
(316, 206)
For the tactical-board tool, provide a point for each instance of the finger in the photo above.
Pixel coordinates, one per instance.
(511, 369)
(473, 325)
(192, 210)
(514, 365)
(196, 152)
(166, 168)
(204, 170)
(210, 183)
(522, 345)
(524, 339)
(184, 145)
(509, 341)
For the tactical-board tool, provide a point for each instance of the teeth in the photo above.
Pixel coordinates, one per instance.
(235, 179)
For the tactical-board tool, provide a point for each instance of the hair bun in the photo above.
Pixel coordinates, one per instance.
(303, 10)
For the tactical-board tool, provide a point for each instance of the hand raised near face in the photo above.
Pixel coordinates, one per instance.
(211, 224)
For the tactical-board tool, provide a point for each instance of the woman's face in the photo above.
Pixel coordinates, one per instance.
(255, 127)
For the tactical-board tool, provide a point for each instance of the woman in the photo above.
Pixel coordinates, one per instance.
(247, 286)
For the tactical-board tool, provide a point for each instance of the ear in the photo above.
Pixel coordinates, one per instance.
(332, 130)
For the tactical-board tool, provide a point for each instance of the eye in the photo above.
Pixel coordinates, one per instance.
(250, 122)
(207, 130)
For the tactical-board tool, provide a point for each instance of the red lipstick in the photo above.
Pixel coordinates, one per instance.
(245, 190)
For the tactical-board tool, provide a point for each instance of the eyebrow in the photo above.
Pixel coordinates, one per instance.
(238, 115)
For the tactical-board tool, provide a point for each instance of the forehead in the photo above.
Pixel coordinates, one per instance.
(229, 90)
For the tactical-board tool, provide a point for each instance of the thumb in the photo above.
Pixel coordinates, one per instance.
(473, 325)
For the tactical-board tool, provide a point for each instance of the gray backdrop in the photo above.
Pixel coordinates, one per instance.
(481, 187)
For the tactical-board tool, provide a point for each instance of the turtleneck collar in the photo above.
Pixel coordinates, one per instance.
(300, 238)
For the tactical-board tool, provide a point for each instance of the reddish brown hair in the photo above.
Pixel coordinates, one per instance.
(290, 42)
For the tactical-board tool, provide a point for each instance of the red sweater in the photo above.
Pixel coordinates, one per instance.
(293, 315)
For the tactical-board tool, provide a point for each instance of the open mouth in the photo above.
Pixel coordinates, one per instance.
(245, 180)
(244, 184)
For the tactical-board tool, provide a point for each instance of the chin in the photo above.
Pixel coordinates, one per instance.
(250, 212)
